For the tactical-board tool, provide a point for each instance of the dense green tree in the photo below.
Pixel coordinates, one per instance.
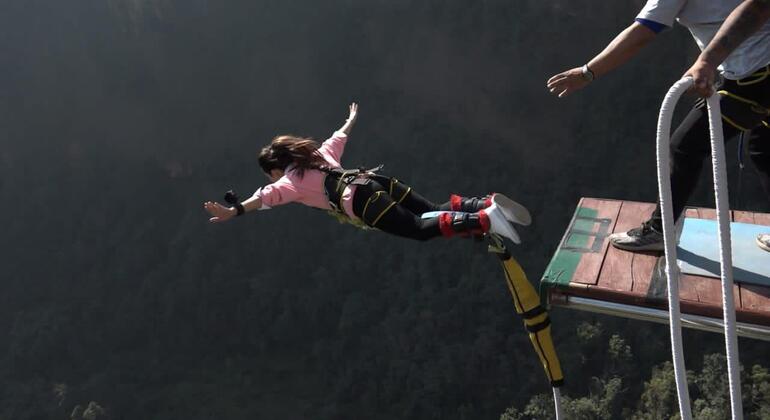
(659, 399)
(756, 392)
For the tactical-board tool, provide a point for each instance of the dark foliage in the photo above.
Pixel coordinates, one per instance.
(120, 117)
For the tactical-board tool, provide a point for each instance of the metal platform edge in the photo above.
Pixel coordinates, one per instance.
(697, 322)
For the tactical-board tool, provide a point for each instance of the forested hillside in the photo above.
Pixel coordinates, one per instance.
(118, 300)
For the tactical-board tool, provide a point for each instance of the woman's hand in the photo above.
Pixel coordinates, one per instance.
(351, 118)
(567, 82)
(353, 112)
(219, 212)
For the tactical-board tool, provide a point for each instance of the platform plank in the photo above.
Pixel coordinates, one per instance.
(706, 290)
(609, 274)
(762, 219)
(596, 243)
(755, 300)
(744, 217)
(615, 274)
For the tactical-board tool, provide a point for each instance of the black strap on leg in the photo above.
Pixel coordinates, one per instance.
(376, 206)
(398, 190)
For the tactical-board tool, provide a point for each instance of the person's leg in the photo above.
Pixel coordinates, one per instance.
(750, 104)
(407, 196)
(691, 144)
(468, 204)
(401, 222)
(759, 152)
(417, 204)
(689, 147)
(373, 204)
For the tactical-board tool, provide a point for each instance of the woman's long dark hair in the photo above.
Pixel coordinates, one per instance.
(286, 150)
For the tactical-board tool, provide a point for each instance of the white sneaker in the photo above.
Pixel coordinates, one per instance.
(763, 241)
(643, 238)
(499, 224)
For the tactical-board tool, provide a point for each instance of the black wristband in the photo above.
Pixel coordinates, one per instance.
(239, 209)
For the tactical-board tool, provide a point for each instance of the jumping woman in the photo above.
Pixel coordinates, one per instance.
(301, 170)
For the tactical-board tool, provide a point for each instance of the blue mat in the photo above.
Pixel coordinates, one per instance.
(698, 251)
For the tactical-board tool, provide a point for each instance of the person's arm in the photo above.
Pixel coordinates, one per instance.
(351, 119)
(625, 46)
(746, 19)
(278, 193)
(333, 147)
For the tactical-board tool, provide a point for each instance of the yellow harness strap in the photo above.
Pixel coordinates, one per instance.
(536, 320)
(375, 198)
(755, 77)
(760, 109)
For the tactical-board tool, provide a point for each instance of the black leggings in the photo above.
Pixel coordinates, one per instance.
(691, 144)
(402, 219)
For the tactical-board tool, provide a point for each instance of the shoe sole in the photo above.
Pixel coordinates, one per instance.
(762, 245)
(500, 225)
(513, 211)
(634, 248)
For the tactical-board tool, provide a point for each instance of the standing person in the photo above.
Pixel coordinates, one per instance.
(742, 23)
(745, 94)
(300, 170)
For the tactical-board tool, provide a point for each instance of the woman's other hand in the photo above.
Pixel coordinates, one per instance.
(218, 212)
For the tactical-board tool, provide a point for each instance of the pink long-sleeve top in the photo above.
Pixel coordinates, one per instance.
(309, 190)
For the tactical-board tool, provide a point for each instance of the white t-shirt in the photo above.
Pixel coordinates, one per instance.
(703, 18)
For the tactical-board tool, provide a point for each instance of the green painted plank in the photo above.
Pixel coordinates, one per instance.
(561, 269)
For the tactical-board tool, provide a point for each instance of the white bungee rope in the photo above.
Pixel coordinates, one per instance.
(670, 242)
(557, 403)
(725, 253)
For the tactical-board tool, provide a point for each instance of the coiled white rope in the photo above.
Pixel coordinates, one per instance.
(725, 253)
(669, 240)
(725, 248)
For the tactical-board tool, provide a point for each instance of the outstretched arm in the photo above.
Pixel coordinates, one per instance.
(746, 19)
(220, 213)
(351, 119)
(625, 46)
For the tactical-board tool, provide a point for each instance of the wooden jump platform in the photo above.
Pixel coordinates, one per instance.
(587, 273)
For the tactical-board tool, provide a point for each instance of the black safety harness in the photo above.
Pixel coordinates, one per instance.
(335, 183)
(338, 179)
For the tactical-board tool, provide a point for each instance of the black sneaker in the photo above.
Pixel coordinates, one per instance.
(644, 238)
(763, 240)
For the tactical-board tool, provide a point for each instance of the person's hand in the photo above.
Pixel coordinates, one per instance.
(218, 212)
(703, 75)
(565, 83)
(353, 112)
